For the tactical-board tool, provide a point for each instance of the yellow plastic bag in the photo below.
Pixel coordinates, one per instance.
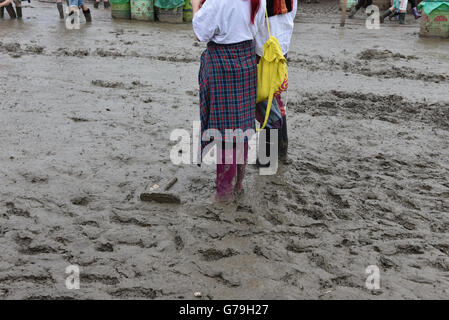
(271, 71)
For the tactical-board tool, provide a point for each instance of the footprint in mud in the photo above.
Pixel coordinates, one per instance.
(337, 199)
(213, 254)
(179, 243)
(26, 246)
(34, 177)
(12, 210)
(81, 201)
(409, 249)
(136, 293)
(104, 279)
(226, 280)
(108, 84)
(313, 213)
(104, 247)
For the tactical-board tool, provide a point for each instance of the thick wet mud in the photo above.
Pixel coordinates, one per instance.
(86, 117)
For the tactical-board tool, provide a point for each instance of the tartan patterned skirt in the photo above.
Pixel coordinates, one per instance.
(228, 90)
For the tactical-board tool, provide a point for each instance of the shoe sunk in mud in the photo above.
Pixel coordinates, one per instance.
(402, 18)
(60, 9)
(11, 11)
(106, 4)
(87, 15)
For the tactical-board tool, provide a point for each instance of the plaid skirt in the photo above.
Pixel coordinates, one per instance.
(228, 90)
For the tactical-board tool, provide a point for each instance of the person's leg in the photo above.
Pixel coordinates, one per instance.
(18, 5)
(2, 12)
(226, 172)
(414, 9)
(386, 14)
(86, 11)
(60, 8)
(96, 4)
(402, 17)
(106, 4)
(356, 8)
(241, 169)
(10, 9)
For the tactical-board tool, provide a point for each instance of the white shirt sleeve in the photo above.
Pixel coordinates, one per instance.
(205, 24)
(262, 33)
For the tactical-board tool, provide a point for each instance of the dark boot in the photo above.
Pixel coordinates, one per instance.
(2, 12)
(96, 4)
(353, 12)
(19, 12)
(106, 4)
(416, 13)
(384, 15)
(87, 15)
(394, 16)
(11, 11)
(60, 9)
(402, 18)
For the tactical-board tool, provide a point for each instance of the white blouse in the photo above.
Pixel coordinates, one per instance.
(226, 22)
(281, 26)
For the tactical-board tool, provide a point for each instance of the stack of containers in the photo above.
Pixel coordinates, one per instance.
(435, 19)
(142, 10)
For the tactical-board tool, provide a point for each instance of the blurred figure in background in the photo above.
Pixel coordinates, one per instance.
(360, 4)
(105, 3)
(7, 4)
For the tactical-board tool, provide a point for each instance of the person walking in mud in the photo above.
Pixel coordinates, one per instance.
(75, 4)
(398, 6)
(360, 4)
(7, 5)
(415, 11)
(60, 8)
(228, 84)
(106, 4)
(281, 16)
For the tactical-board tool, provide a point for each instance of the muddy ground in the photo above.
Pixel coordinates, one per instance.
(85, 122)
